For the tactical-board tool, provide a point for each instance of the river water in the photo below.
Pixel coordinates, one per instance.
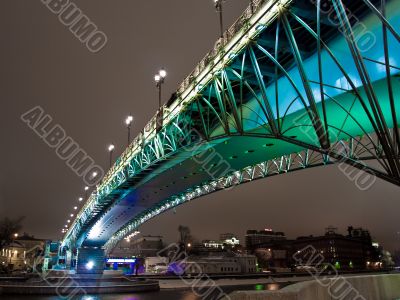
(178, 294)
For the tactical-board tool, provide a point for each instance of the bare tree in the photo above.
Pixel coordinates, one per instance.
(8, 227)
(184, 233)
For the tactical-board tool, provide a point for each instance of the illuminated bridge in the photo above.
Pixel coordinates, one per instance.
(293, 84)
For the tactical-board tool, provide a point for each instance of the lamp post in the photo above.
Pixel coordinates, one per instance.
(86, 191)
(128, 122)
(111, 150)
(159, 79)
(218, 7)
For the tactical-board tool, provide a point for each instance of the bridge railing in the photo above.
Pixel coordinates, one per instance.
(227, 37)
(150, 128)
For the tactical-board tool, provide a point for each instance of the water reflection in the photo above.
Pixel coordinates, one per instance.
(163, 294)
(273, 287)
(267, 287)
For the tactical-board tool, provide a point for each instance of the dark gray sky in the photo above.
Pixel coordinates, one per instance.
(42, 63)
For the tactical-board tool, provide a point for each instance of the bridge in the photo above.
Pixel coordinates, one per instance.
(292, 84)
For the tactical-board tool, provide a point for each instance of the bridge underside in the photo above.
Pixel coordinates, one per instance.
(225, 156)
(317, 84)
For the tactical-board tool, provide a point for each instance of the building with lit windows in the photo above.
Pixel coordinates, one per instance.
(140, 246)
(257, 238)
(22, 252)
(13, 256)
(352, 251)
(225, 240)
(223, 264)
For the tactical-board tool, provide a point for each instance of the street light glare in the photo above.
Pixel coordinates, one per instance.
(90, 265)
(129, 120)
(86, 188)
(110, 148)
(157, 78)
(72, 215)
(75, 207)
(80, 199)
(163, 73)
(94, 174)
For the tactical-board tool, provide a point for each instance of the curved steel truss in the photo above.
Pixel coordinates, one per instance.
(319, 75)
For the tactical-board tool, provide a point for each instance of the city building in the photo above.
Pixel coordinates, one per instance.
(22, 252)
(213, 244)
(225, 240)
(228, 239)
(156, 265)
(257, 238)
(140, 246)
(223, 264)
(352, 251)
(206, 248)
(13, 256)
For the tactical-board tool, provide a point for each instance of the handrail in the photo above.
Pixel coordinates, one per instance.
(150, 129)
(137, 143)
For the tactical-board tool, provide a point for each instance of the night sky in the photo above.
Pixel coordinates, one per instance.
(89, 95)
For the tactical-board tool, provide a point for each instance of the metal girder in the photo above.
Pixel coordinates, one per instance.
(306, 10)
(334, 101)
(281, 165)
(284, 45)
(264, 70)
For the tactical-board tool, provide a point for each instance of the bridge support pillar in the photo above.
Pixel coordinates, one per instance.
(90, 260)
(69, 259)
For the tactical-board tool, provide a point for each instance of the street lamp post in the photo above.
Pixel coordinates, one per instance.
(128, 122)
(86, 191)
(218, 7)
(159, 79)
(111, 150)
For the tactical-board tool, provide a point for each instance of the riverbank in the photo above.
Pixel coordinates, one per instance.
(382, 287)
(184, 284)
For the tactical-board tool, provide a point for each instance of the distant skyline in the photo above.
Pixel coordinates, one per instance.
(90, 95)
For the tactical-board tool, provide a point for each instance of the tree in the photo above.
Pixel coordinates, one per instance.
(9, 227)
(184, 233)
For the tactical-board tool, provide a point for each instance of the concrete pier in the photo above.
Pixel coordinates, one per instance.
(366, 287)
